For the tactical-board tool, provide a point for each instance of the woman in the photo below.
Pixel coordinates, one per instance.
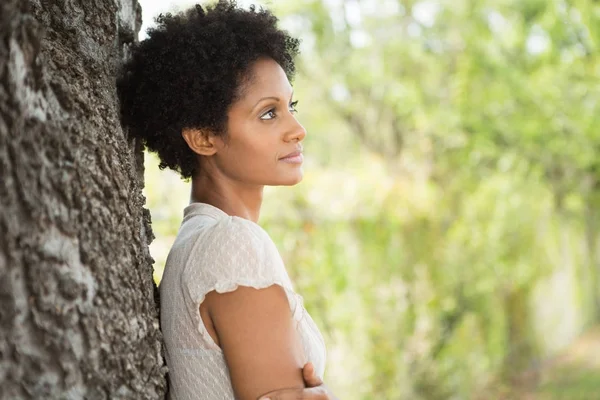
(209, 92)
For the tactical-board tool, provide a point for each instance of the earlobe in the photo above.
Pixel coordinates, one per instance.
(200, 141)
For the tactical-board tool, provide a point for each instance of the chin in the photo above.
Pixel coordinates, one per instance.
(289, 180)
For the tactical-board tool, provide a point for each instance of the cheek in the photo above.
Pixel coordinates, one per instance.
(252, 153)
(253, 144)
(262, 153)
(257, 144)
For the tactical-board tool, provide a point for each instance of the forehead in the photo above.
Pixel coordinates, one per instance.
(265, 78)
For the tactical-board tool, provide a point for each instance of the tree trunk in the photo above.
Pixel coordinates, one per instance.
(78, 317)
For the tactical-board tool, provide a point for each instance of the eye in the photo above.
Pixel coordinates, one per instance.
(268, 115)
(271, 114)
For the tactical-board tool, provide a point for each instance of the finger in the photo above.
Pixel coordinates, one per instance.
(309, 366)
(297, 394)
(283, 394)
(308, 371)
(310, 377)
(313, 381)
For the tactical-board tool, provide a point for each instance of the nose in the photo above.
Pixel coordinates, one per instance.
(295, 132)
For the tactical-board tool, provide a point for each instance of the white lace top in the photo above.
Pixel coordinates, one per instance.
(214, 251)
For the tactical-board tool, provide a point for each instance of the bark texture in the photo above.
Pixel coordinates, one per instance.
(78, 317)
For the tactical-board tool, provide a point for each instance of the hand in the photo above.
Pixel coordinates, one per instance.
(315, 390)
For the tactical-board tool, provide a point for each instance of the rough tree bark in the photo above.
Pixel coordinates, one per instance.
(78, 317)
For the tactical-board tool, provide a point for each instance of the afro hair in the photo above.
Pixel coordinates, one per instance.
(191, 69)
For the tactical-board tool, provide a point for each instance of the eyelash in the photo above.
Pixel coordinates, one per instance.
(293, 105)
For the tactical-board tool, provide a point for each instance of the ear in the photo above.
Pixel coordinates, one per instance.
(201, 141)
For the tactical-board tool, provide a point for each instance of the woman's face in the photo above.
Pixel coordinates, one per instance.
(263, 145)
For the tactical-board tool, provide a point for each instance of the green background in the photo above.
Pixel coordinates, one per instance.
(446, 237)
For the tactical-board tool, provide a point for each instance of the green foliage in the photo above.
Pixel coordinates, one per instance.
(421, 292)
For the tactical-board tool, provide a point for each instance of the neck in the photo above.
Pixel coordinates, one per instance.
(233, 198)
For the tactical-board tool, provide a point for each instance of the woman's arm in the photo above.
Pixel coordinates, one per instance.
(316, 389)
(256, 332)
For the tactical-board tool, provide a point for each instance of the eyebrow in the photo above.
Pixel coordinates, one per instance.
(270, 98)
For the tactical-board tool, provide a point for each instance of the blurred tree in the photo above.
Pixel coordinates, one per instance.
(485, 102)
(446, 234)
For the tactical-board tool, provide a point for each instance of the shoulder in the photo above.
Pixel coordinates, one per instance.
(231, 252)
(230, 231)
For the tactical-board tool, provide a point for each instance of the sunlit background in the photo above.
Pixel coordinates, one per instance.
(446, 237)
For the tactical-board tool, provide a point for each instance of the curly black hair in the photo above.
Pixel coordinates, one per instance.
(191, 69)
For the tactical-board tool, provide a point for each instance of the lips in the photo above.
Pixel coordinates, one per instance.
(293, 158)
(294, 154)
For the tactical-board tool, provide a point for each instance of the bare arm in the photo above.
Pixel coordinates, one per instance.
(256, 332)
